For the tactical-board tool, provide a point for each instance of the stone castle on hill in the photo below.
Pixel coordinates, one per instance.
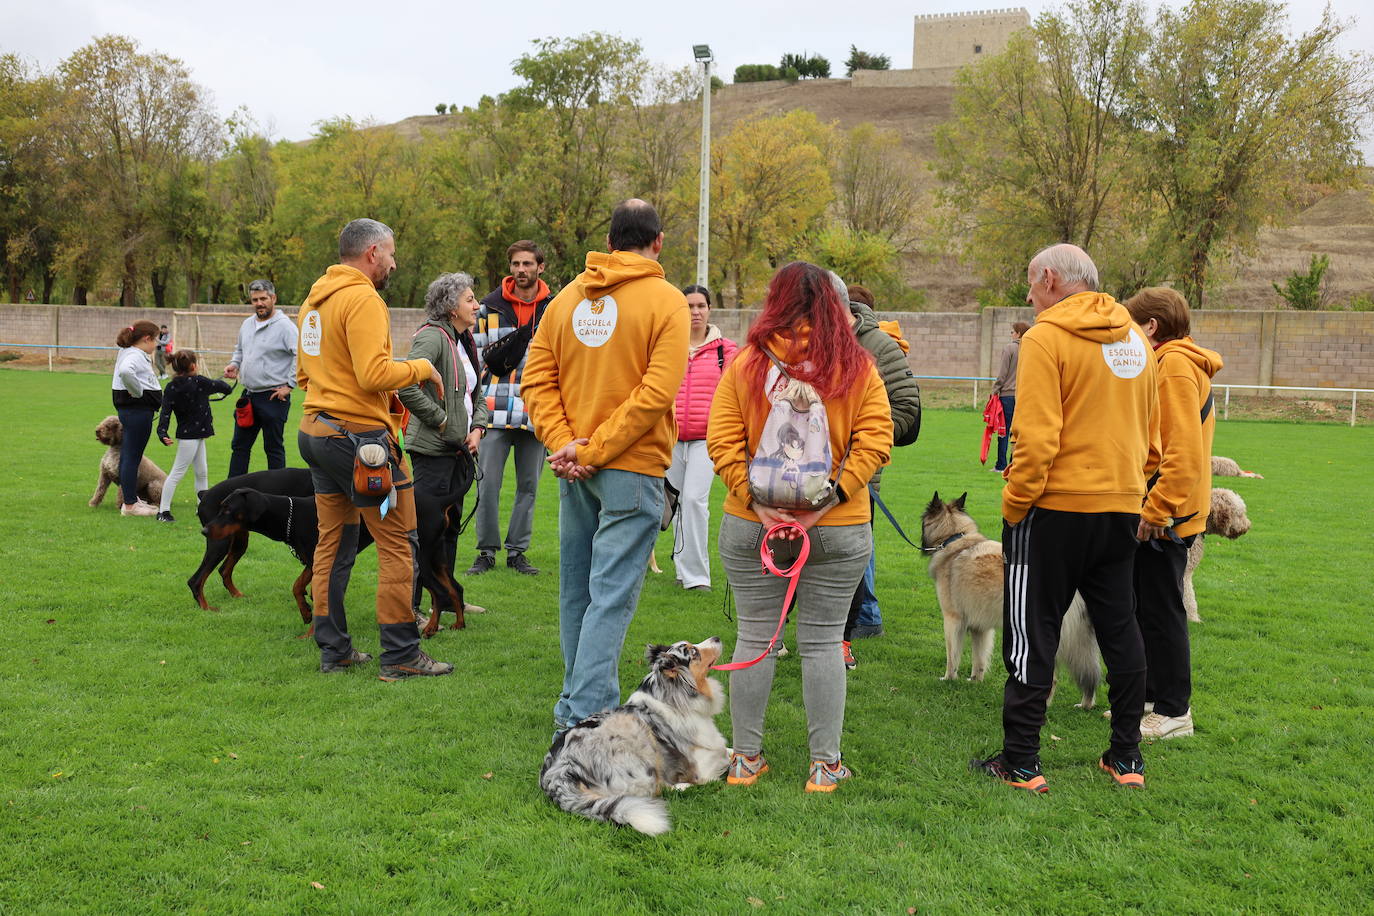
(944, 42)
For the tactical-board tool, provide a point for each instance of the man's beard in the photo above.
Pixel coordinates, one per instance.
(380, 282)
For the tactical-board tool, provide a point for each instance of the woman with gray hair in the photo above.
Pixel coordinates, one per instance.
(442, 434)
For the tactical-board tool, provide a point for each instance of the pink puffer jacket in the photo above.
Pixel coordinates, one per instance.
(699, 385)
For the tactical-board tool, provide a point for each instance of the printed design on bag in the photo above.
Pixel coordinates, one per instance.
(311, 333)
(793, 465)
(594, 320)
(1126, 358)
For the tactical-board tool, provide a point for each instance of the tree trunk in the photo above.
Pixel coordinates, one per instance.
(79, 294)
(129, 285)
(193, 282)
(157, 277)
(48, 279)
(14, 278)
(216, 289)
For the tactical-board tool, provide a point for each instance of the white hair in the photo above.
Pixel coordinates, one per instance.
(1069, 262)
(840, 289)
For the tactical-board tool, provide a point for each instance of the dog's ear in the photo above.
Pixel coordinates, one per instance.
(652, 652)
(935, 503)
(959, 503)
(256, 505)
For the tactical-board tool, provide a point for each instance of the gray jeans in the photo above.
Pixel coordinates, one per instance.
(529, 464)
(839, 554)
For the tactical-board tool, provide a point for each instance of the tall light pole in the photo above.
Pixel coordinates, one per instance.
(704, 57)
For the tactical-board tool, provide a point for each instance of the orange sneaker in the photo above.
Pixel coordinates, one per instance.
(745, 771)
(826, 777)
(1029, 778)
(848, 653)
(1127, 773)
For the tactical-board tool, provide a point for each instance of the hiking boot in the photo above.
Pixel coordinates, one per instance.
(420, 617)
(520, 564)
(825, 777)
(1127, 773)
(419, 666)
(1028, 778)
(1157, 726)
(139, 508)
(165, 517)
(848, 654)
(1149, 708)
(354, 658)
(867, 630)
(484, 563)
(745, 771)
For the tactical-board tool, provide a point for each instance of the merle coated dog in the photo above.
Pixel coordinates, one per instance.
(227, 547)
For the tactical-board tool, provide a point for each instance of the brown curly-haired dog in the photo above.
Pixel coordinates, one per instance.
(1228, 519)
(150, 476)
(1227, 467)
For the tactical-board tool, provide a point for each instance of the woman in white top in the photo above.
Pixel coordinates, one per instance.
(137, 398)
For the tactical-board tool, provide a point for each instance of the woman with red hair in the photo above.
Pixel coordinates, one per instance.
(806, 328)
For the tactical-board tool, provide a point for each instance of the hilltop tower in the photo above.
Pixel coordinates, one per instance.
(947, 41)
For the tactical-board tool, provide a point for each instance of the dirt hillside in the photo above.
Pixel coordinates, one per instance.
(1340, 225)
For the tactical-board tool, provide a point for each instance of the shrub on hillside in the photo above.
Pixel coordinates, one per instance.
(756, 73)
(1303, 290)
(807, 67)
(862, 60)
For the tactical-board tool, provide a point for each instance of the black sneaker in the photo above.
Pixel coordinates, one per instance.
(165, 517)
(520, 564)
(867, 631)
(1127, 773)
(354, 659)
(419, 666)
(484, 563)
(1028, 778)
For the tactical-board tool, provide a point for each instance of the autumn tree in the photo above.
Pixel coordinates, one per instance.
(770, 185)
(1037, 150)
(29, 176)
(876, 187)
(130, 119)
(1237, 119)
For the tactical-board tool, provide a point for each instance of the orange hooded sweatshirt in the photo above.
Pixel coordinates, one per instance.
(1184, 485)
(860, 426)
(1086, 431)
(345, 363)
(606, 363)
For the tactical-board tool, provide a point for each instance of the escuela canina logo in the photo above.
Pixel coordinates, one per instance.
(594, 320)
(598, 306)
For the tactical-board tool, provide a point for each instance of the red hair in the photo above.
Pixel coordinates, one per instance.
(803, 308)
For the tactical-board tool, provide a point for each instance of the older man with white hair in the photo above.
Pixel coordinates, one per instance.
(1086, 437)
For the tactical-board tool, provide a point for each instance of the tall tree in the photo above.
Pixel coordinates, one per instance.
(129, 120)
(1037, 150)
(770, 185)
(876, 192)
(29, 175)
(1237, 119)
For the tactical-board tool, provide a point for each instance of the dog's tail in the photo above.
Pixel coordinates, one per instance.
(647, 815)
(1078, 651)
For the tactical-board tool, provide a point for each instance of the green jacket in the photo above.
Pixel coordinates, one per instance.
(438, 427)
(903, 391)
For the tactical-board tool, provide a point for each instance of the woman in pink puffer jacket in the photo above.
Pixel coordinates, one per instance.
(692, 472)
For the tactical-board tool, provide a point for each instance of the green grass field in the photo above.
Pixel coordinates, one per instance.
(157, 757)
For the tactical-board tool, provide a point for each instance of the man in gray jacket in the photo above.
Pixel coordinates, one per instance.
(264, 361)
(443, 433)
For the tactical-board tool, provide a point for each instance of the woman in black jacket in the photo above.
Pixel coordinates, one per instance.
(137, 396)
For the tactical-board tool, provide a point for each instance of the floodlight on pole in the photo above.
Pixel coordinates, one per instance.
(703, 55)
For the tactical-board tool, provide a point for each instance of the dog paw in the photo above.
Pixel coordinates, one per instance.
(949, 677)
(682, 786)
(975, 677)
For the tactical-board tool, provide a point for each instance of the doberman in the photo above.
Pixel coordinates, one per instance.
(226, 549)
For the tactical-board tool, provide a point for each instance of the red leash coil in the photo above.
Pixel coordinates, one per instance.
(792, 574)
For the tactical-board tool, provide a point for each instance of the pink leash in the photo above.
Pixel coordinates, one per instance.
(792, 574)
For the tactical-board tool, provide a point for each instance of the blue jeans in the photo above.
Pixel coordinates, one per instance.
(138, 428)
(870, 615)
(1008, 408)
(606, 530)
(269, 415)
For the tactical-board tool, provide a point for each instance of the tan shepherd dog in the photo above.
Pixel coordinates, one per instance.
(967, 569)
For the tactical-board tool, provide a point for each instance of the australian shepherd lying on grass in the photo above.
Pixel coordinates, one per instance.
(612, 766)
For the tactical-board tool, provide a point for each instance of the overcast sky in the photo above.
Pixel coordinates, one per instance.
(291, 67)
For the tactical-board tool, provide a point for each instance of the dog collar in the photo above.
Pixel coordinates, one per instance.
(943, 544)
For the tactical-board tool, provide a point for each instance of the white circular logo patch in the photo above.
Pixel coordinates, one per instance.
(1126, 358)
(311, 332)
(593, 321)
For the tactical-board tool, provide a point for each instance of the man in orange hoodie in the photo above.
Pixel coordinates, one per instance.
(519, 302)
(1086, 436)
(602, 373)
(349, 378)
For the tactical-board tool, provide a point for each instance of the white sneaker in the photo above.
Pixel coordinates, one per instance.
(473, 609)
(1149, 708)
(1158, 727)
(138, 508)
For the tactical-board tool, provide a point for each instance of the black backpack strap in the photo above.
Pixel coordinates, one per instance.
(1207, 407)
(720, 356)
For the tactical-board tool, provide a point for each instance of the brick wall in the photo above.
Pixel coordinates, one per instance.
(1324, 349)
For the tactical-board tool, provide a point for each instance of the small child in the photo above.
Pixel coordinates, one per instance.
(188, 396)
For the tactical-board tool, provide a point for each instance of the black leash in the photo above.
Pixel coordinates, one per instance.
(891, 518)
